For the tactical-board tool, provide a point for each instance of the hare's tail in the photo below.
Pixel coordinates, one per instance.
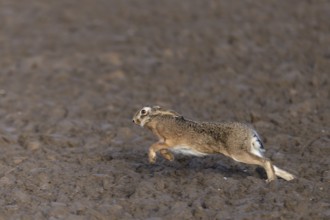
(257, 148)
(283, 174)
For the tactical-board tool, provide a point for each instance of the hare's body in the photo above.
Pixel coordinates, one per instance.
(178, 135)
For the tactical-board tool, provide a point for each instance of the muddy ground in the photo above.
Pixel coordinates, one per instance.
(73, 73)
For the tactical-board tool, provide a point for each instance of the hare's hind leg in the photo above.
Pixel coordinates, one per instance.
(283, 174)
(257, 149)
(249, 158)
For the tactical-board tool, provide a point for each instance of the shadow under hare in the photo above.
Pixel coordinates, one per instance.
(179, 135)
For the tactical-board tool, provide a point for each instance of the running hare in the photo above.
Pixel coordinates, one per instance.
(179, 135)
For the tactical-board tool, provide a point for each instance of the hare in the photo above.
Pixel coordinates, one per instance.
(179, 135)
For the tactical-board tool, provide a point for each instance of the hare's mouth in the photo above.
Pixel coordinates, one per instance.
(140, 122)
(136, 121)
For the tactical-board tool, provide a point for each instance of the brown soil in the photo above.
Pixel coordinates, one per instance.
(72, 74)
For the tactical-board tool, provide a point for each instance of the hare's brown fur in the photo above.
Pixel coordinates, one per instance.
(177, 134)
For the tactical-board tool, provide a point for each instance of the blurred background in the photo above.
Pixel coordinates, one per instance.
(73, 73)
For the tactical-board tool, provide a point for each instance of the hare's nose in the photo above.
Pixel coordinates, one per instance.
(133, 121)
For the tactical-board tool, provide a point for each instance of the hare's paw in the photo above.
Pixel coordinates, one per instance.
(167, 154)
(152, 157)
(269, 180)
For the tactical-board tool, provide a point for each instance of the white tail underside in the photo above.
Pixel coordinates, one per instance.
(256, 146)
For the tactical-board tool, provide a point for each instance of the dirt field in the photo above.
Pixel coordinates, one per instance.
(73, 73)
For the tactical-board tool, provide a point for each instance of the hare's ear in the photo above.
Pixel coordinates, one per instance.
(175, 113)
(180, 117)
(155, 108)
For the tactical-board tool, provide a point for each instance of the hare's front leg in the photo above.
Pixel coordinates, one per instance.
(162, 147)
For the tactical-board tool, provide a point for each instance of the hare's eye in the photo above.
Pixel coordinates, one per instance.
(143, 112)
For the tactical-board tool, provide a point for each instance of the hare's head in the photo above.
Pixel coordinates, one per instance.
(145, 114)
(142, 116)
